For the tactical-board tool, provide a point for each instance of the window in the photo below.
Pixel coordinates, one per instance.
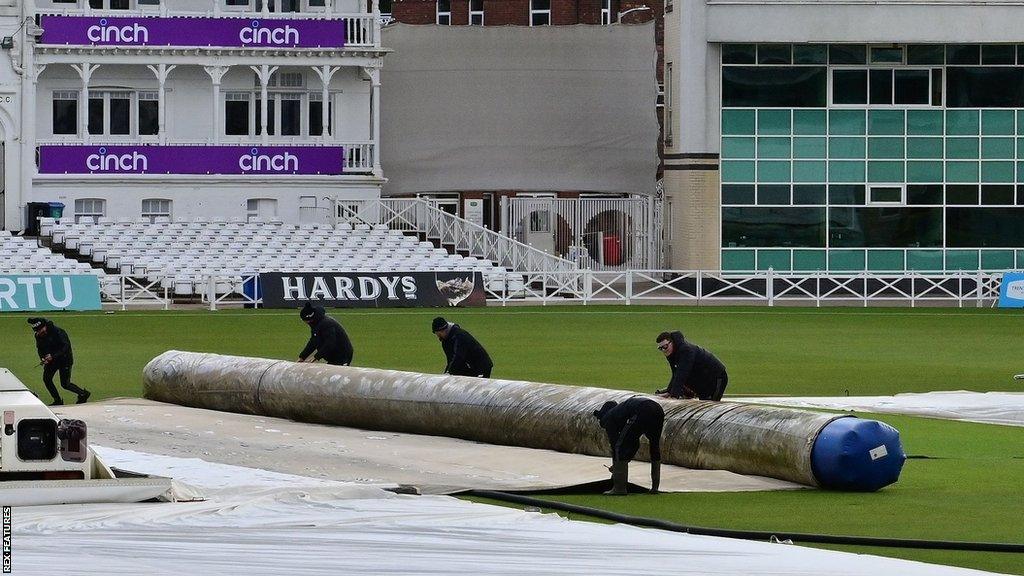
(65, 112)
(606, 12)
(774, 86)
(291, 114)
(660, 100)
(260, 208)
(667, 120)
(153, 208)
(148, 2)
(149, 113)
(236, 113)
(90, 208)
(540, 221)
(444, 12)
(288, 114)
(316, 106)
(476, 12)
(885, 195)
(886, 86)
(984, 227)
(764, 227)
(988, 87)
(540, 12)
(889, 227)
(110, 112)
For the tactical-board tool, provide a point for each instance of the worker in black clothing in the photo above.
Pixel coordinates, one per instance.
(696, 373)
(327, 339)
(465, 356)
(625, 423)
(56, 357)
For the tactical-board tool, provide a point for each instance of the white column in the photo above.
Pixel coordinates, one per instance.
(264, 72)
(161, 71)
(375, 116)
(216, 73)
(85, 73)
(325, 73)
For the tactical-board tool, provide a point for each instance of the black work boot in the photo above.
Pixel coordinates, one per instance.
(620, 478)
(655, 475)
(57, 402)
(83, 397)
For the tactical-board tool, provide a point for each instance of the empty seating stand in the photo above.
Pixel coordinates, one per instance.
(25, 256)
(183, 255)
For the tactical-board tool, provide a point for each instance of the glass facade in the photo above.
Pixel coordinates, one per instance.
(883, 158)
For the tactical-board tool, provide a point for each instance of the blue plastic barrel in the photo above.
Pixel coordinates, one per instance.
(856, 454)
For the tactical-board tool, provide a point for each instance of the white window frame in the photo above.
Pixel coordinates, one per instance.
(108, 94)
(156, 208)
(476, 13)
(606, 12)
(870, 201)
(546, 12)
(443, 17)
(929, 106)
(252, 208)
(146, 96)
(66, 95)
(667, 118)
(90, 207)
(275, 97)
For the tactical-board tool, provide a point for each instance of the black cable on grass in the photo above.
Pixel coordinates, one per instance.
(796, 537)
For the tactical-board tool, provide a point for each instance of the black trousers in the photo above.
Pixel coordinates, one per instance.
(720, 384)
(65, 380)
(468, 370)
(648, 421)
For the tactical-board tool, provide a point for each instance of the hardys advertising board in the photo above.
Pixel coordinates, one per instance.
(24, 293)
(372, 289)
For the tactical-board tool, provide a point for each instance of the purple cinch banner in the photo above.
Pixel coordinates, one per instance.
(239, 160)
(186, 31)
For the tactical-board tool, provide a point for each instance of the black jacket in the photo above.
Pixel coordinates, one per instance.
(466, 357)
(629, 420)
(57, 344)
(695, 371)
(329, 340)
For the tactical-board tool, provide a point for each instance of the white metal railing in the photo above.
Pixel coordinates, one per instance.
(688, 287)
(362, 30)
(419, 216)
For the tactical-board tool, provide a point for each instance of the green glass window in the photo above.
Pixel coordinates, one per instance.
(997, 195)
(810, 54)
(733, 147)
(962, 148)
(738, 260)
(963, 54)
(774, 259)
(810, 148)
(1020, 195)
(774, 148)
(774, 86)
(773, 194)
(739, 122)
(846, 171)
(847, 54)
(962, 172)
(880, 88)
(737, 193)
(924, 194)
(885, 260)
(924, 260)
(739, 54)
(738, 171)
(773, 171)
(774, 54)
(961, 259)
(845, 194)
(846, 148)
(997, 122)
(962, 122)
(994, 172)
(804, 194)
(846, 260)
(810, 122)
(886, 55)
(885, 171)
(883, 122)
(985, 87)
(924, 148)
(810, 171)
(926, 54)
(885, 227)
(996, 259)
(849, 86)
(912, 87)
(924, 171)
(997, 148)
(924, 122)
(809, 260)
(773, 227)
(846, 122)
(885, 148)
(773, 122)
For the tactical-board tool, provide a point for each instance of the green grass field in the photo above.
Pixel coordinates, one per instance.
(969, 487)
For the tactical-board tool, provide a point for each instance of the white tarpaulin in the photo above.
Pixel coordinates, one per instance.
(1006, 408)
(257, 523)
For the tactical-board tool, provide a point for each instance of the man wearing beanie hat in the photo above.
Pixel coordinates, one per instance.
(465, 356)
(696, 373)
(327, 339)
(625, 423)
(56, 357)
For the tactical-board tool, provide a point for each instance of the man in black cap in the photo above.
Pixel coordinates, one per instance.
(625, 423)
(327, 339)
(696, 373)
(466, 357)
(56, 357)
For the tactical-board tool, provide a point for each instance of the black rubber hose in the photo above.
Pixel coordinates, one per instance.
(796, 537)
